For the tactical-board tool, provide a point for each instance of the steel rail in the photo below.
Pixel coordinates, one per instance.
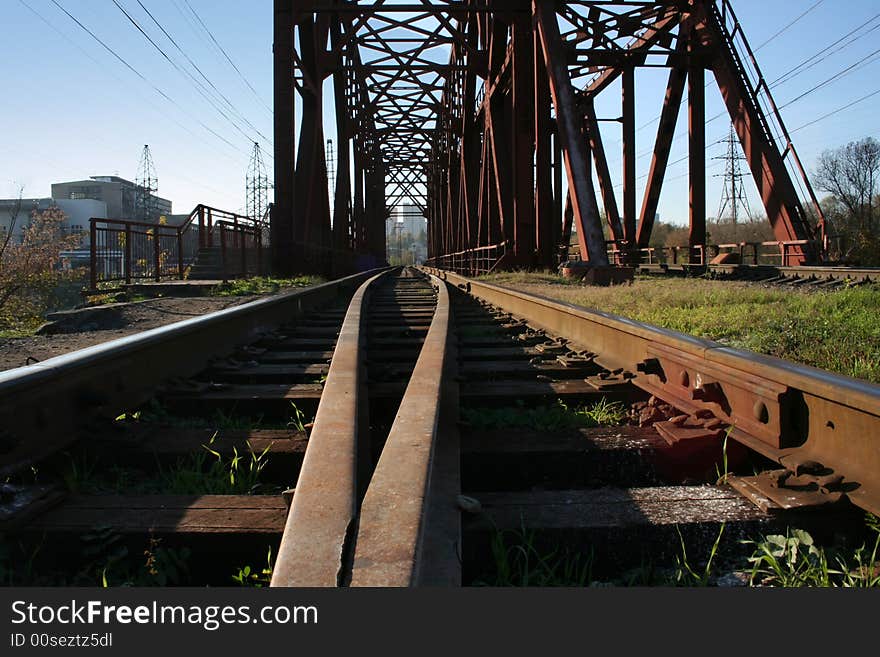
(393, 523)
(47, 406)
(860, 274)
(804, 418)
(324, 507)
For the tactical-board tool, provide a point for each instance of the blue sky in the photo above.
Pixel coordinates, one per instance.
(71, 109)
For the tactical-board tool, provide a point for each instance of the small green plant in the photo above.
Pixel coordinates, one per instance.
(113, 565)
(723, 472)
(545, 418)
(258, 578)
(518, 561)
(792, 560)
(296, 419)
(688, 575)
(262, 285)
(207, 472)
(81, 473)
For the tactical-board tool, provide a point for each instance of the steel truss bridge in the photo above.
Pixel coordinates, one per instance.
(482, 114)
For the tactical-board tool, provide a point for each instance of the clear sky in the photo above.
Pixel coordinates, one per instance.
(71, 109)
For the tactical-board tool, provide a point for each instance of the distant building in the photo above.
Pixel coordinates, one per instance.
(76, 220)
(406, 235)
(119, 194)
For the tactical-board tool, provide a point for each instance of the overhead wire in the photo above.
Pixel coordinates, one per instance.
(195, 66)
(183, 72)
(226, 55)
(143, 77)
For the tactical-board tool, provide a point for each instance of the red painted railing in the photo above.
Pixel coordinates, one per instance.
(122, 250)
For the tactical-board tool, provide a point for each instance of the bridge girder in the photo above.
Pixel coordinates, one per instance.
(481, 113)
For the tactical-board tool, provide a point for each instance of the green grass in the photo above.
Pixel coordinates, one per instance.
(257, 577)
(155, 413)
(19, 327)
(545, 418)
(203, 472)
(518, 561)
(263, 285)
(793, 560)
(520, 558)
(100, 558)
(210, 473)
(838, 331)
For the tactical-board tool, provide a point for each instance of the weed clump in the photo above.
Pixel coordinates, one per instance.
(546, 418)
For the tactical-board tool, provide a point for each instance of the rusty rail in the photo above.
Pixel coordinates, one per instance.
(807, 420)
(764, 272)
(324, 508)
(44, 407)
(341, 531)
(393, 525)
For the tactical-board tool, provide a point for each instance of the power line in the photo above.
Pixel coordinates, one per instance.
(202, 74)
(865, 61)
(849, 69)
(793, 72)
(226, 55)
(150, 101)
(180, 70)
(799, 69)
(142, 76)
(789, 26)
(836, 111)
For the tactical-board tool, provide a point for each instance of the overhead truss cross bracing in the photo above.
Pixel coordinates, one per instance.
(482, 114)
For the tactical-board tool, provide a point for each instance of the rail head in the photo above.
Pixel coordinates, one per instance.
(391, 531)
(791, 413)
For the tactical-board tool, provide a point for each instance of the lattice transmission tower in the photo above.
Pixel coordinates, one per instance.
(330, 163)
(733, 195)
(256, 187)
(146, 206)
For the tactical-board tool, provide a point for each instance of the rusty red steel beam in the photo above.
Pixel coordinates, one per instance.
(796, 415)
(393, 526)
(603, 173)
(324, 509)
(662, 148)
(697, 160)
(580, 182)
(628, 103)
(775, 186)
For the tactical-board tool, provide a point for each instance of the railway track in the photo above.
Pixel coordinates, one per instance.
(793, 277)
(459, 427)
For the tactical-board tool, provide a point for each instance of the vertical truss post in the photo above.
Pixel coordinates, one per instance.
(583, 197)
(342, 193)
(544, 171)
(281, 222)
(629, 156)
(697, 161)
(603, 173)
(662, 148)
(311, 225)
(523, 123)
(558, 195)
